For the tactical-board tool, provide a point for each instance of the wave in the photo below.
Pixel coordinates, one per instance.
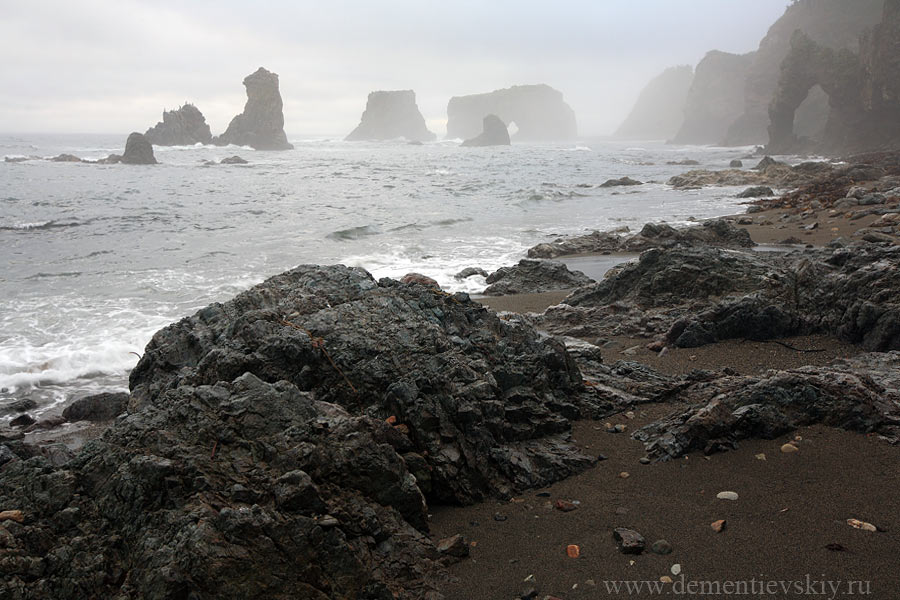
(39, 225)
(353, 233)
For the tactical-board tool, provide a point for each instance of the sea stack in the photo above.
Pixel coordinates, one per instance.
(261, 125)
(185, 126)
(138, 151)
(539, 112)
(494, 133)
(390, 115)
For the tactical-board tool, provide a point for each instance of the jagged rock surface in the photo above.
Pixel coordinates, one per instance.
(138, 151)
(185, 126)
(539, 112)
(390, 115)
(532, 276)
(494, 133)
(659, 111)
(261, 125)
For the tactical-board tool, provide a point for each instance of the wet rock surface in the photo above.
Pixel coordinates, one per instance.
(531, 276)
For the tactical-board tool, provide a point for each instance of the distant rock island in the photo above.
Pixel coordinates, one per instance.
(494, 133)
(138, 151)
(390, 115)
(659, 110)
(261, 125)
(539, 112)
(185, 126)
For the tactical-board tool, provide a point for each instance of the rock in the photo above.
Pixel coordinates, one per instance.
(628, 540)
(686, 162)
(12, 515)
(184, 126)
(727, 496)
(261, 125)
(97, 407)
(564, 506)
(391, 115)
(659, 110)
(718, 526)
(878, 238)
(18, 406)
(789, 448)
(530, 593)
(736, 164)
(419, 279)
(66, 158)
(662, 547)
(624, 475)
(573, 551)
(756, 192)
(532, 276)
(623, 181)
(22, 421)
(675, 569)
(470, 272)
(499, 517)
(538, 111)
(765, 163)
(494, 133)
(644, 460)
(454, 546)
(665, 579)
(233, 160)
(855, 523)
(138, 151)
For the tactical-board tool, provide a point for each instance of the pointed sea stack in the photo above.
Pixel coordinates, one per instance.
(261, 125)
(494, 133)
(390, 115)
(138, 151)
(185, 126)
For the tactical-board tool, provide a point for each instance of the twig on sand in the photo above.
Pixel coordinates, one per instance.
(788, 346)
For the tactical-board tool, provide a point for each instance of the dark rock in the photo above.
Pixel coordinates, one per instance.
(138, 151)
(499, 517)
(756, 192)
(18, 406)
(419, 279)
(532, 276)
(765, 163)
(66, 158)
(98, 407)
(6, 455)
(628, 540)
(494, 133)
(454, 546)
(539, 112)
(470, 272)
(623, 181)
(391, 115)
(736, 164)
(659, 110)
(261, 125)
(184, 126)
(661, 547)
(233, 160)
(22, 421)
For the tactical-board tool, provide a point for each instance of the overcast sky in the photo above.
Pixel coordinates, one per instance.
(111, 66)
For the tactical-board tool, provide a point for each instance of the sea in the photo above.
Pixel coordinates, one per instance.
(96, 258)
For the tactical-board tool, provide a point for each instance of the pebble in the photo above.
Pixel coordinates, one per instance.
(628, 540)
(629, 414)
(676, 569)
(665, 579)
(621, 510)
(620, 428)
(624, 475)
(455, 546)
(661, 547)
(498, 517)
(328, 521)
(573, 551)
(727, 496)
(761, 456)
(602, 457)
(789, 448)
(718, 526)
(564, 505)
(644, 460)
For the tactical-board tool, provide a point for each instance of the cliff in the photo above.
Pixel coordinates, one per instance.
(659, 110)
(391, 115)
(182, 127)
(261, 125)
(833, 24)
(715, 99)
(539, 112)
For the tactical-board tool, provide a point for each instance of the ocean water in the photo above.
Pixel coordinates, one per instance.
(95, 258)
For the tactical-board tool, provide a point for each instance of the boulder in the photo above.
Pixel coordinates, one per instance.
(391, 115)
(494, 133)
(736, 164)
(261, 125)
(532, 276)
(622, 181)
(756, 192)
(539, 112)
(233, 160)
(184, 126)
(97, 407)
(138, 151)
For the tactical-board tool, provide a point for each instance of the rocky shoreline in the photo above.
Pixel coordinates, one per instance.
(296, 440)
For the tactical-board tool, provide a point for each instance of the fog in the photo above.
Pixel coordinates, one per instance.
(112, 66)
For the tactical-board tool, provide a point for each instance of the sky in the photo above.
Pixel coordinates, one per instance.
(112, 66)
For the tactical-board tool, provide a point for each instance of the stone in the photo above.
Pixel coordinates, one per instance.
(390, 115)
(12, 515)
(539, 112)
(470, 272)
(184, 126)
(233, 160)
(261, 125)
(789, 448)
(675, 569)
(22, 421)
(97, 407)
(727, 496)
(622, 181)
(419, 279)
(573, 551)
(455, 546)
(756, 192)
(532, 276)
(718, 526)
(665, 579)
(66, 158)
(564, 506)
(138, 151)
(494, 133)
(499, 517)
(662, 547)
(628, 541)
(736, 164)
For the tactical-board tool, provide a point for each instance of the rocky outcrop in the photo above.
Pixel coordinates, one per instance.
(715, 99)
(494, 133)
(716, 232)
(659, 111)
(138, 151)
(283, 445)
(532, 276)
(261, 125)
(835, 24)
(539, 112)
(185, 126)
(391, 115)
(767, 173)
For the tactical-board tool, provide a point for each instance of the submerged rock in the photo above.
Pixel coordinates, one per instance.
(494, 133)
(184, 126)
(261, 125)
(390, 115)
(622, 181)
(532, 276)
(138, 151)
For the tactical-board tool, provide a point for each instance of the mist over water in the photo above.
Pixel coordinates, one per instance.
(96, 258)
